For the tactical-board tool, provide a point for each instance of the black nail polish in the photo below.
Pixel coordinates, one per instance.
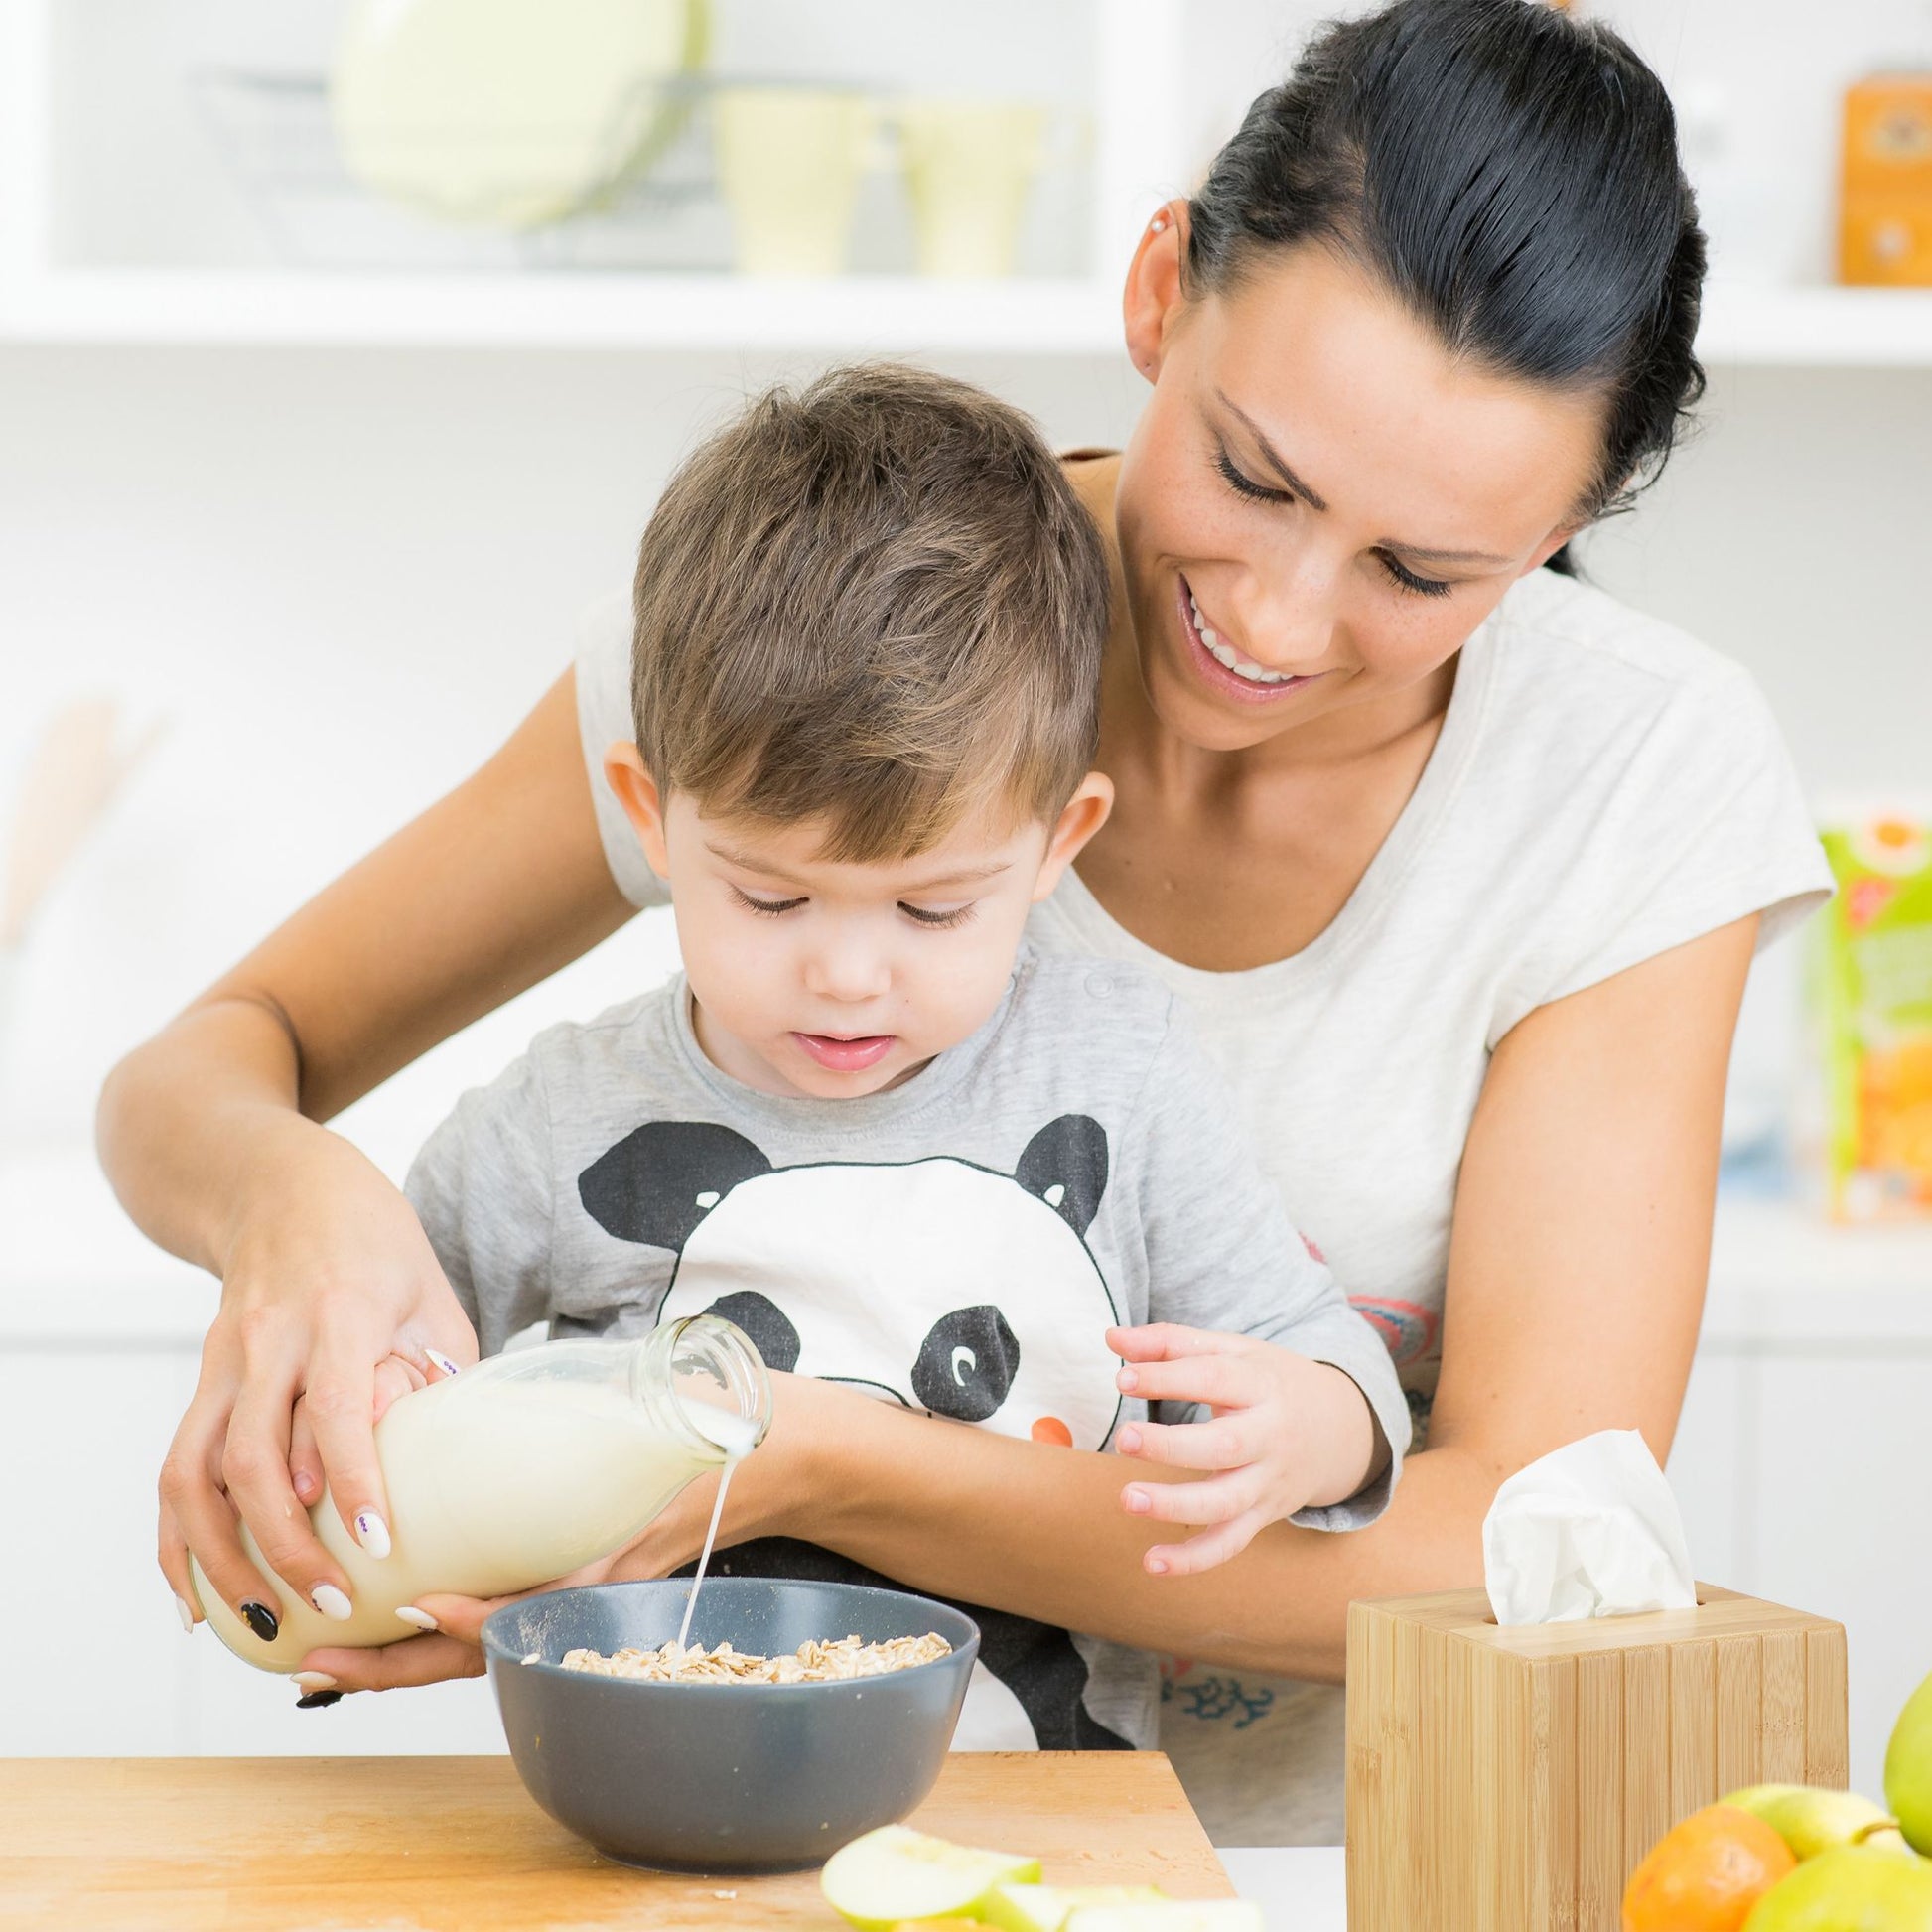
(314, 1700)
(260, 1619)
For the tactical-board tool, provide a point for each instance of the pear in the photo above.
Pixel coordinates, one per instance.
(896, 1874)
(1811, 1820)
(1909, 1768)
(1849, 1889)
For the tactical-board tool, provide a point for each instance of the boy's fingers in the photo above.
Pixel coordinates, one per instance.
(1218, 1444)
(1221, 1381)
(1159, 1341)
(1205, 1551)
(1221, 1499)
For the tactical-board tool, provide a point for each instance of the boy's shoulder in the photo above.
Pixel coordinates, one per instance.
(635, 1033)
(1087, 1012)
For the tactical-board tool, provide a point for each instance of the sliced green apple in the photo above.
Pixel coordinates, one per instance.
(1170, 1915)
(1044, 1908)
(896, 1874)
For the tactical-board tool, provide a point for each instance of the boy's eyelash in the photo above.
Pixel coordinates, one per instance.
(769, 907)
(1244, 485)
(938, 920)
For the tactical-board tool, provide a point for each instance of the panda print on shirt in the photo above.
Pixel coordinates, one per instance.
(942, 1285)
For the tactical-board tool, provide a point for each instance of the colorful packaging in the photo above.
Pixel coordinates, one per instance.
(1873, 994)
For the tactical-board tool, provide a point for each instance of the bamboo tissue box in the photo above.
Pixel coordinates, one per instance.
(1509, 1780)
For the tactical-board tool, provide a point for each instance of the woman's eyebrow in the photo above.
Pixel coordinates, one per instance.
(1423, 552)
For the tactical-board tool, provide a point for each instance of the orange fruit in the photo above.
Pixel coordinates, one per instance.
(1706, 1875)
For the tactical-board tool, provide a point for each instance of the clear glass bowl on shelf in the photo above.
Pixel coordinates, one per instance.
(706, 175)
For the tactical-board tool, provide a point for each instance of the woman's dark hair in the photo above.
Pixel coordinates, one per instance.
(1511, 174)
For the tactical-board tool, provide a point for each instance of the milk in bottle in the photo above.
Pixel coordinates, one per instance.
(519, 1471)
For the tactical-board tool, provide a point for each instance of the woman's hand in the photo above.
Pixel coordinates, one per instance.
(771, 1495)
(332, 1300)
(1287, 1433)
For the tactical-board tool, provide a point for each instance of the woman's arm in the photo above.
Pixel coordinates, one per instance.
(1576, 1276)
(209, 1134)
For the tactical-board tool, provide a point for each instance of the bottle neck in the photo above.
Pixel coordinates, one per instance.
(703, 1386)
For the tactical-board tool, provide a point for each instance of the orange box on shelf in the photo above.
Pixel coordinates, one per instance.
(1885, 216)
(1510, 1780)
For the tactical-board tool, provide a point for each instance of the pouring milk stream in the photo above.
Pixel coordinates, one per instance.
(520, 1470)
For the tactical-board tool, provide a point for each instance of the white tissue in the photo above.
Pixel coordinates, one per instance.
(1590, 1530)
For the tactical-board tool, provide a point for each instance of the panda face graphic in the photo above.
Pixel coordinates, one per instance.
(951, 1289)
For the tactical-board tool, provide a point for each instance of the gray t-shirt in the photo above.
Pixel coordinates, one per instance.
(957, 1245)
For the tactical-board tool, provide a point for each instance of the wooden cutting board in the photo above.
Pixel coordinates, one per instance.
(454, 1844)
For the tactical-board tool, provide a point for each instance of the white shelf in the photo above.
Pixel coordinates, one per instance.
(1812, 328)
(556, 311)
(1817, 328)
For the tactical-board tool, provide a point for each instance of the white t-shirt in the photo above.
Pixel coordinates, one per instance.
(1602, 789)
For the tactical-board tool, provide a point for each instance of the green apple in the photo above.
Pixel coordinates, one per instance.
(1044, 1908)
(1811, 1820)
(1849, 1889)
(1909, 1768)
(1171, 1916)
(896, 1874)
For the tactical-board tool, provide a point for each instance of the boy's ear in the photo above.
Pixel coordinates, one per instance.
(1153, 296)
(642, 802)
(1080, 818)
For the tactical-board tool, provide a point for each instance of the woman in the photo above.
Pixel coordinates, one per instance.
(1461, 865)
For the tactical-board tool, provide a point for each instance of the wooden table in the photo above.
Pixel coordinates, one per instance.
(454, 1844)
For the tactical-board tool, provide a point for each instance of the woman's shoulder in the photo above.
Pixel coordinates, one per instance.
(1570, 642)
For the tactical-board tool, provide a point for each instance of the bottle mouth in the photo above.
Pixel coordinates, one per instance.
(721, 1390)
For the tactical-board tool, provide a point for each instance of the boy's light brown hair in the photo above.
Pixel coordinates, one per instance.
(876, 601)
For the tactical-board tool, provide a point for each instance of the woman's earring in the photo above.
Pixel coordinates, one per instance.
(1160, 221)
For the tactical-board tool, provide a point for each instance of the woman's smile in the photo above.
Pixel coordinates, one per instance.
(1223, 668)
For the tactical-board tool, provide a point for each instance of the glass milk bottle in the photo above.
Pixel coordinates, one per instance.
(520, 1470)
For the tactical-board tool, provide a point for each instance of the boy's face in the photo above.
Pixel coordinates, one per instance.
(834, 979)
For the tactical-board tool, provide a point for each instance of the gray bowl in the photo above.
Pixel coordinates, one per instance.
(724, 1778)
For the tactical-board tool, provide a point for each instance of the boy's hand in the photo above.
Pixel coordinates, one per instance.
(1287, 1434)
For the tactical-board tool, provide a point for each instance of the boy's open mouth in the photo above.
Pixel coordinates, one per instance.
(840, 1055)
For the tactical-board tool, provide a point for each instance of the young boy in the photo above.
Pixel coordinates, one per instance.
(869, 1124)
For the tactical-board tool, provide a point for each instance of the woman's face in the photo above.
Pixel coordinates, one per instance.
(1323, 492)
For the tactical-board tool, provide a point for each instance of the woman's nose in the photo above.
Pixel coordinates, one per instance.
(1289, 622)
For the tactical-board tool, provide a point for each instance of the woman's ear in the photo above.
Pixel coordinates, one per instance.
(1153, 295)
(643, 804)
(1080, 818)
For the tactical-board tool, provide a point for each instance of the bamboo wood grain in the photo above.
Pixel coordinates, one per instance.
(1510, 1780)
(201, 1845)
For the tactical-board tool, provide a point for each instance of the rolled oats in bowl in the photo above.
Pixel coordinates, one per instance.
(816, 1661)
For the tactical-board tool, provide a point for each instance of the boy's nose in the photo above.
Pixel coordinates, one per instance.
(848, 972)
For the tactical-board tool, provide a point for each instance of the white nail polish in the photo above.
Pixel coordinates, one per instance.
(372, 1532)
(186, 1615)
(314, 1680)
(441, 1361)
(420, 1618)
(331, 1603)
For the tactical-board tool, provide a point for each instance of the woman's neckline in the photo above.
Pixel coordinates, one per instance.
(1382, 879)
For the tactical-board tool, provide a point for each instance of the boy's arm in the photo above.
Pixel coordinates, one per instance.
(481, 1186)
(1223, 1255)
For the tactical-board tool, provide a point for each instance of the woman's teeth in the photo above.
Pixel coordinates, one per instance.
(1222, 654)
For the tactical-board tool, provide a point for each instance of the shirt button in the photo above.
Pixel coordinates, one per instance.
(1100, 985)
